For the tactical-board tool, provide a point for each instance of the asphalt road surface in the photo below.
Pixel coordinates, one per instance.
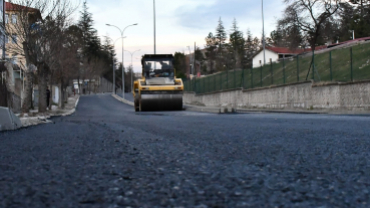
(106, 155)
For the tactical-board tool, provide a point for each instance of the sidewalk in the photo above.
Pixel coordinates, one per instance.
(35, 118)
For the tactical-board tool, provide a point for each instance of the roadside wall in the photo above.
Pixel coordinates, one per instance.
(306, 95)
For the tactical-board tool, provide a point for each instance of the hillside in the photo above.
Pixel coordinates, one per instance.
(330, 66)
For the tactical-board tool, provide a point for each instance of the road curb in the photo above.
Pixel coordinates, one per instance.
(123, 100)
(34, 121)
(238, 110)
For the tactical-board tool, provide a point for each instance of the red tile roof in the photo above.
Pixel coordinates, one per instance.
(15, 7)
(282, 50)
(349, 41)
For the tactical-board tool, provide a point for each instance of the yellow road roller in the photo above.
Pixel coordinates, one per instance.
(158, 89)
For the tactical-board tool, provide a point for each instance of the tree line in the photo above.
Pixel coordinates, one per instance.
(312, 23)
(56, 48)
(222, 51)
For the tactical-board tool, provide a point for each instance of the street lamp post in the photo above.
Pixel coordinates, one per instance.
(114, 73)
(132, 54)
(191, 67)
(123, 62)
(155, 29)
(263, 35)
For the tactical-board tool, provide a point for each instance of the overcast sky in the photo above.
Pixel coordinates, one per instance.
(180, 23)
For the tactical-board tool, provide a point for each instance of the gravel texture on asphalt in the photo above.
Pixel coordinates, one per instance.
(106, 155)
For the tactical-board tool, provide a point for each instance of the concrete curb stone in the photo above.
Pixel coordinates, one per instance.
(123, 100)
(33, 121)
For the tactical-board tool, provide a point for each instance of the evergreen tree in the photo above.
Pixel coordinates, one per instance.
(220, 42)
(199, 61)
(236, 42)
(220, 35)
(251, 48)
(211, 53)
(90, 41)
(180, 65)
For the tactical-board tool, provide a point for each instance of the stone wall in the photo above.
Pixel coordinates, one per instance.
(305, 95)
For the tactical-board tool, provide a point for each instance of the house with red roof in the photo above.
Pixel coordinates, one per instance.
(274, 54)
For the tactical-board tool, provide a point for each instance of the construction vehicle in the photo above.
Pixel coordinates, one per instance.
(158, 89)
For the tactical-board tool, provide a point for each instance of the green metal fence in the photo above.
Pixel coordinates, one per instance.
(339, 65)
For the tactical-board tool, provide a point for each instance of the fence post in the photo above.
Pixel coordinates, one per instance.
(199, 85)
(243, 85)
(351, 64)
(227, 79)
(272, 72)
(261, 75)
(252, 77)
(221, 81)
(297, 68)
(234, 78)
(195, 86)
(284, 69)
(313, 65)
(204, 85)
(331, 67)
(214, 82)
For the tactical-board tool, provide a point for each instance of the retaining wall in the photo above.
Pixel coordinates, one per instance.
(305, 95)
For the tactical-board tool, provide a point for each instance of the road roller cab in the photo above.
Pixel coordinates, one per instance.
(158, 89)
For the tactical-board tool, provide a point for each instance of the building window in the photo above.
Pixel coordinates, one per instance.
(15, 60)
(14, 39)
(6, 18)
(14, 19)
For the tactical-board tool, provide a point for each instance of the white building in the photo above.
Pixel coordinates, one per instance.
(274, 54)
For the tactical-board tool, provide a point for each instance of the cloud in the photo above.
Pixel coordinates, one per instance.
(246, 12)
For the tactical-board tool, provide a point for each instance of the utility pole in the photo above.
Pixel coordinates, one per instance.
(114, 73)
(191, 67)
(132, 68)
(2, 2)
(155, 29)
(195, 46)
(263, 36)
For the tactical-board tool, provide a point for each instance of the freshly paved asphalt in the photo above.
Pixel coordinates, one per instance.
(106, 155)
(128, 96)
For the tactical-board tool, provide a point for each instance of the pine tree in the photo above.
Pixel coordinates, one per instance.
(90, 40)
(220, 36)
(250, 49)
(236, 48)
(220, 42)
(211, 54)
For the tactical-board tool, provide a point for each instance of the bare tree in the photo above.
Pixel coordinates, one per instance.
(309, 16)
